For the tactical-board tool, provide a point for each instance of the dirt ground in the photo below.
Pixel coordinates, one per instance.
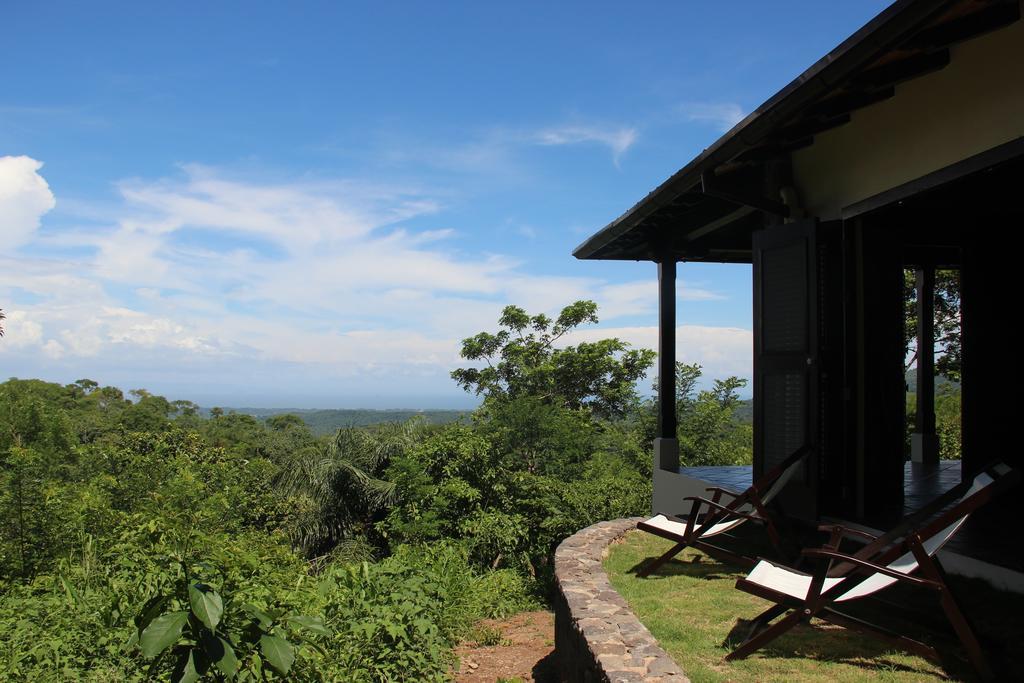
(525, 653)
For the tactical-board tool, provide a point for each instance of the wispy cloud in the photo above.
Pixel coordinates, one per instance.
(616, 138)
(502, 151)
(722, 115)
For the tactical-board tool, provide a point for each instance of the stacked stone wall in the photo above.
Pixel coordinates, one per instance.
(597, 637)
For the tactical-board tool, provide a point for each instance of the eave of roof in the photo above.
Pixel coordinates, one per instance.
(880, 34)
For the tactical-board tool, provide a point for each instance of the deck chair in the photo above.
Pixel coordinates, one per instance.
(882, 562)
(725, 510)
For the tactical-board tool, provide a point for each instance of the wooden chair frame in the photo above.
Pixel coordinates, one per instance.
(873, 559)
(706, 513)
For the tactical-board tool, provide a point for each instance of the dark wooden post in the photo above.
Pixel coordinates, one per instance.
(666, 445)
(924, 444)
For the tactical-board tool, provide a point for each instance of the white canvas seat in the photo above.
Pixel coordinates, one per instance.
(725, 510)
(883, 561)
(679, 528)
(796, 584)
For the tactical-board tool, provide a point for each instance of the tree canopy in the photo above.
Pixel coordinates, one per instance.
(522, 359)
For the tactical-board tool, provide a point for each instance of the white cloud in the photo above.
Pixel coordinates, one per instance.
(20, 331)
(641, 296)
(722, 115)
(722, 351)
(201, 277)
(24, 198)
(295, 214)
(339, 286)
(53, 349)
(617, 139)
(527, 231)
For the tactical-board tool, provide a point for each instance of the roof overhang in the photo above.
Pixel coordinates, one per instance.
(707, 210)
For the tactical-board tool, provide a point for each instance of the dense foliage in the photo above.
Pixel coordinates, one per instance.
(140, 540)
(325, 422)
(947, 420)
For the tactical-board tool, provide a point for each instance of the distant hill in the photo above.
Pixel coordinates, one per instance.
(745, 412)
(940, 381)
(329, 421)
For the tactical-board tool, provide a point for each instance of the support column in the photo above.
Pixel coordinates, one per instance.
(666, 445)
(924, 443)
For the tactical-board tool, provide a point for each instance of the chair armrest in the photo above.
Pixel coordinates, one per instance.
(864, 564)
(847, 531)
(723, 508)
(719, 489)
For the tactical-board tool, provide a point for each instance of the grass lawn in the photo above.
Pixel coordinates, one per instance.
(691, 606)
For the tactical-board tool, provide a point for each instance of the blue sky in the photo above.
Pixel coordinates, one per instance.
(310, 204)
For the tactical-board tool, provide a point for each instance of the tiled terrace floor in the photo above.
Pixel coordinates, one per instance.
(921, 483)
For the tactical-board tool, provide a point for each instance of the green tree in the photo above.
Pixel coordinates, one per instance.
(149, 413)
(285, 421)
(946, 322)
(340, 486)
(542, 437)
(26, 531)
(82, 387)
(97, 410)
(522, 359)
(453, 485)
(708, 429)
(185, 408)
(35, 414)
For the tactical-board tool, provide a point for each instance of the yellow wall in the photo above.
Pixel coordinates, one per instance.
(974, 104)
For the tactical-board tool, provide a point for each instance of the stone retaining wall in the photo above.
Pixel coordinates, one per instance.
(597, 637)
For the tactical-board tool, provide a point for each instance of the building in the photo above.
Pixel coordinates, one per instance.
(901, 148)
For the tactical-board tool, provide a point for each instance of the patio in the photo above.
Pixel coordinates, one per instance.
(922, 482)
(694, 612)
(979, 539)
(613, 625)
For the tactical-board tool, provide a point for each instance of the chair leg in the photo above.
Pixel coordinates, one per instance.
(961, 624)
(966, 635)
(766, 616)
(654, 564)
(762, 620)
(767, 635)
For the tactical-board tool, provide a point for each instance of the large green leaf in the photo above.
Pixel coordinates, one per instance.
(150, 611)
(258, 615)
(206, 605)
(220, 652)
(162, 632)
(278, 652)
(191, 667)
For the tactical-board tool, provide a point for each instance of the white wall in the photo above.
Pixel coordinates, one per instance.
(974, 104)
